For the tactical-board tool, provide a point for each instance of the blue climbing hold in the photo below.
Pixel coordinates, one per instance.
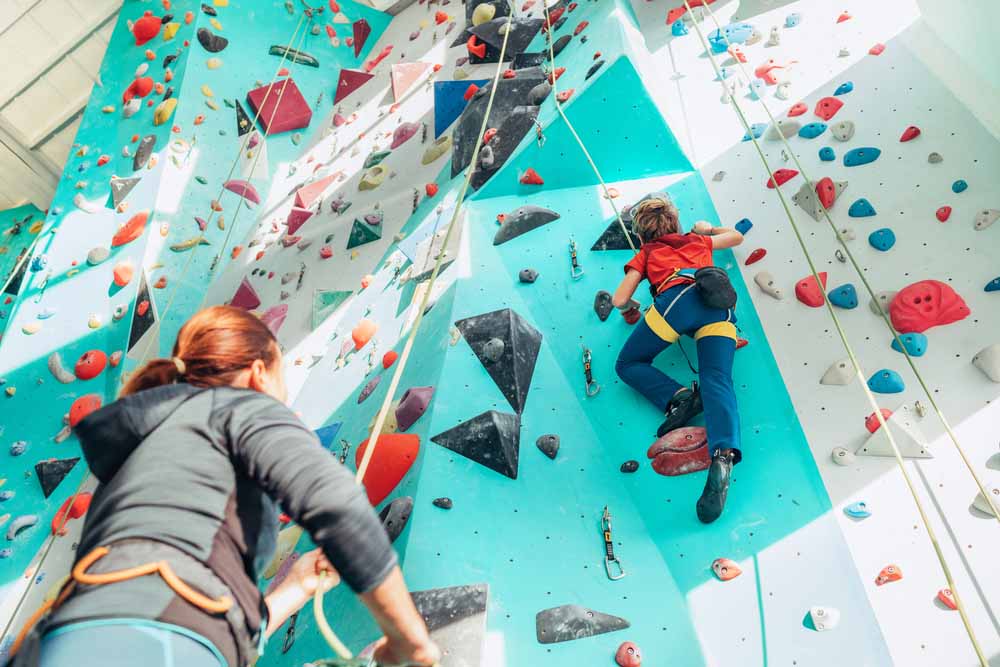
(756, 86)
(862, 208)
(18, 448)
(41, 261)
(793, 20)
(882, 239)
(450, 102)
(6, 553)
(812, 130)
(886, 381)
(757, 129)
(744, 225)
(993, 285)
(844, 296)
(724, 73)
(959, 186)
(844, 88)
(678, 29)
(860, 156)
(734, 33)
(327, 434)
(858, 510)
(6, 495)
(826, 154)
(915, 344)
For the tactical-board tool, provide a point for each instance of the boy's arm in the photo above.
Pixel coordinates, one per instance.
(722, 237)
(622, 298)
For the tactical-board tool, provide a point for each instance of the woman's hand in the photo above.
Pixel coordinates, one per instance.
(405, 655)
(703, 228)
(305, 573)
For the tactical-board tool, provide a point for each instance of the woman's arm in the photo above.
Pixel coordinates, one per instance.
(622, 298)
(722, 237)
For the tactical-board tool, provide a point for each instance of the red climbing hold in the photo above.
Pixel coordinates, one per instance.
(581, 27)
(797, 109)
(781, 176)
(741, 342)
(294, 113)
(431, 189)
(470, 91)
(564, 95)
(478, 50)
(349, 81)
(632, 315)
(926, 304)
(947, 598)
(393, 456)
(440, 17)
(73, 507)
(131, 230)
(146, 28)
(142, 308)
(675, 14)
(389, 358)
(90, 364)
(361, 32)
(140, 87)
(809, 293)
(943, 213)
(844, 16)
(554, 16)
(509, 74)
(489, 134)
(828, 107)
(826, 191)
(910, 133)
(554, 76)
(531, 177)
(82, 407)
(877, 49)
(681, 451)
(871, 421)
(755, 256)
(628, 655)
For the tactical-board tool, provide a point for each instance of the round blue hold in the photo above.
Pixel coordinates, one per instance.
(844, 88)
(757, 130)
(915, 344)
(886, 381)
(959, 186)
(858, 510)
(826, 154)
(844, 296)
(812, 130)
(859, 156)
(882, 239)
(862, 208)
(18, 448)
(993, 285)
(744, 226)
(678, 28)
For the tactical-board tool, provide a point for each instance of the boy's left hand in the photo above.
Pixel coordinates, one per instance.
(702, 227)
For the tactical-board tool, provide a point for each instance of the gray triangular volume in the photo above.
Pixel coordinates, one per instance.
(522, 220)
(571, 621)
(909, 439)
(491, 439)
(120, 187)
(512, 371)
(51, 473)
(522, 31)
(614, 237)
(456, 619)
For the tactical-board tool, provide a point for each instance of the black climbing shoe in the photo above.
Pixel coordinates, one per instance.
(683, 407)
(713, 498)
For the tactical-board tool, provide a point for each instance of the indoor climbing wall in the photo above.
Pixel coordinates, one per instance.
(19, 228)
(307, 164)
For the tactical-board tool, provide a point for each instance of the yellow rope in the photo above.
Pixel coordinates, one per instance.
(850, 352)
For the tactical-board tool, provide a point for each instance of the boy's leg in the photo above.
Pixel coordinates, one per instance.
(635, 366)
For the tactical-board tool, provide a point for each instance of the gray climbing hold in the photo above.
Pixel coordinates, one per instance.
(881, 301)
(58, 371)
(719, 175)
(765, 281)
(527, 275)
(491, 439)
(493, 349)
(211, 42)
(983, 505)
(444, 503)
(783, 128)
(395, 516)
(120, 187)
(839, 373)
(603, 305)
(548, 444)
(539, 93)
(522, 342)
(988, 361)
(571, 621)
(629, 466)
(842, 456)
(986, 218)
(561, 44)
(143, 152)
(842, 131)
(21, 523)
(593, 69)
(522, 220)
(369, 388)
(935, 158)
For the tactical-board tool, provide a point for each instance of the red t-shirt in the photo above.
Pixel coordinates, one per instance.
(658, 259)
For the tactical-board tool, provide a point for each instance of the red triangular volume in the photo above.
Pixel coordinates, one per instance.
(394, 454)
(361, 32)
(349, 81)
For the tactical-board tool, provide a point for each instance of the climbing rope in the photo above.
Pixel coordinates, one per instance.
(401, 363)
(845, 252)
(850, 352)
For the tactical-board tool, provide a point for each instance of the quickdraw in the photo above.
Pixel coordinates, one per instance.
(612, 565)
(539, 135)
(576, 271)
(592, 386)
(286, 646)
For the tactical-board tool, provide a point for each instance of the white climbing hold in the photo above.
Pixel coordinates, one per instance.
(783, 128)
(765, 281)
(983, 505)
(844, 52)
(843, 131)
(784, 90)
(842, 456)
(881, 301)
(728, 91)
(131, 107)
(986, 218)
(775, 37)
(911, 441)
(824, 618)
(988, 361)
(86, 206)
(847, 234)
(719, 175)
(840, 373)
(58, 371)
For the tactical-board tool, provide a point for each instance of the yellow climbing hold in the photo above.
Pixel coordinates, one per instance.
(108, 109)
(36, 226)
(483, 13)
(31, 328)
(354, 254)
(372, 178)
(10, 391)
(206, 91)
(423, 24)
(212, 105)
(95, 321)
(460, 74)
(213, 63)
(72, 272)
(164, 110)
(170, 30)
(215, 23)
(440, 146)
(221, 3)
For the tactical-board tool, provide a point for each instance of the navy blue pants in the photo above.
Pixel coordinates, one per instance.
(677, 312)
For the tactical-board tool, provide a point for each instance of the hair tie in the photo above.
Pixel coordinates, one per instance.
(179, 365)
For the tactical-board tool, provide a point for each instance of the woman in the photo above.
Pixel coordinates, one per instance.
(194, 461)
(666, 260)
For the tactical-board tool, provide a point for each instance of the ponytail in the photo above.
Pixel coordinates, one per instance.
(212, 348)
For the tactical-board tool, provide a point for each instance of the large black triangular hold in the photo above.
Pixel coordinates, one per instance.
(513, 369)
(50, 473)
(243, 124)
(571, 621)
(144, 316)
(614, 237)
(456, 618)
(491, 439)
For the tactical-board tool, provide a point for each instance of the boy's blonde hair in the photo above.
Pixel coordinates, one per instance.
(655, 217)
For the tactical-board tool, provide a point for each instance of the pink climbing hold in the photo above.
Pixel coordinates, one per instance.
(403, 133)
(828, 107)
(726, 569)
(826, 191)
(274, 317)
(926, 304)
(943, 213)
(297, 217)
(767, 71)
(282, 109)
(872, 423)
(798, 109)
(243, 189)
(307, 195)
(628, 655)
(877, 49)
(403, 76)
(910, 133)
(681, 451)
(245, 296)
(781, 176)
(412, 406)
(809, 293)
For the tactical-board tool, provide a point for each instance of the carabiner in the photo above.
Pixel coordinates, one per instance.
(576, 271)
(592, 386)
(612, 565)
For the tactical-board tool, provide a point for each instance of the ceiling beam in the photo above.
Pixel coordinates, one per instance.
(40, 164)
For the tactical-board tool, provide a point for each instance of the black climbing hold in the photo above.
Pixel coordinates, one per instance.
(141, 323)
(527, 275)
(603, 305)
(539, 93)
(395, 515)
(521, 341)
(560, 23)
(522, 220)
(456, 619)
(169, 60)
(593, 69)
(243, 124)
(571, 621)
(501, 8)
(289, 641)
(166, 18)
(493, 350)
(548, 444)
(561, 44)
(530, 59)
(168, 93)
(211, 42)
(614, 237)
(143, 152)
(443, 503)
(491, 439)
(296, 56)
(630, 466)
(209, 9)
(520, 122)
(51, 473)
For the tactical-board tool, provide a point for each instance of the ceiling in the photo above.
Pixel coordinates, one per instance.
(51, 52)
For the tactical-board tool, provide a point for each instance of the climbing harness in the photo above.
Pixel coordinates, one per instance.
(844, 340)
(576, 271)
(592, 387)
(612, 565)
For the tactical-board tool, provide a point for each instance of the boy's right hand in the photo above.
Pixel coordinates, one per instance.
(702, 227)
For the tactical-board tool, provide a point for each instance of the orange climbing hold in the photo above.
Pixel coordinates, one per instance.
(470, 91)
(431, 189)
(478, 50)
(844, 16)
(72, 508)
(531, 177)
(581, 27)
(362, 333)
(726, 569)
(389, 358)
(82, 407)
(161, 283)
(889, 573)
(440, 17)
(554, 76)
(90, 364)
(392, 458)
(564, 95)
(131, 230)
(123, 273)
(947, 598)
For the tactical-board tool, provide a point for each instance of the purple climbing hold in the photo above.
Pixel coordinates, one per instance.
(412, 406)
(403, 133)
(369, 388)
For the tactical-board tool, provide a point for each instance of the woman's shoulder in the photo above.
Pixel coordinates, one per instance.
(236, 406)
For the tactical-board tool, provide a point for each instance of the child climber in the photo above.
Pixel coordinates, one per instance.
(699, 307)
